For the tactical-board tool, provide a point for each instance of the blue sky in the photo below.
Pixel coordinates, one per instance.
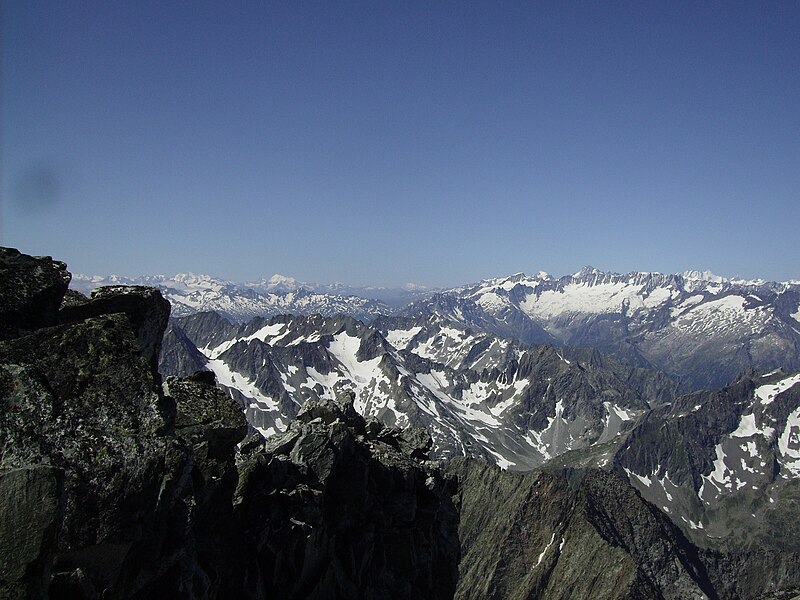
(390, 142)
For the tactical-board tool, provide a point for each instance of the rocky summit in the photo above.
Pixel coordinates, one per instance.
(119, 482)
(116, 485)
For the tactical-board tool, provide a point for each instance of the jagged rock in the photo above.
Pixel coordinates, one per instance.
(31, 290)
(416, 442)
(73, 298)
(211, 423)
(82, 398)
(329, 411)
(206, 416)
(146, 308)
(368, 520)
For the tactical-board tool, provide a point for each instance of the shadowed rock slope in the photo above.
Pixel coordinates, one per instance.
(584, 535)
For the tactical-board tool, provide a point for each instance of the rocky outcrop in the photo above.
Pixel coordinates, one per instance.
(114, 486)
(31, 291)
(30, 498)
(85, 425)
(146, 309)
(352, 498)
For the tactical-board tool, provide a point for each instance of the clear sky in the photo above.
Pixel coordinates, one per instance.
(377, 142)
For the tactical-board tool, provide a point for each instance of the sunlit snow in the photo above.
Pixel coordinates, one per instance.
(401, 338)
(767, 393)
(789, 443)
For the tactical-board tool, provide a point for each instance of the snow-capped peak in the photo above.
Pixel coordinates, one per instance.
(192, 281)
(586, 272)
(696, 275)
(279, 279)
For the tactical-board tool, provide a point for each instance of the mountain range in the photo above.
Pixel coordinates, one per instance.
(313, 456)
(699, 328)
(477, 394)
(720, 463)
(190, 293)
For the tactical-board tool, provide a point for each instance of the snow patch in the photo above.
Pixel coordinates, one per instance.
(261, 335)
(789, 443)
(546, 548)
(767, 393)
(644, 479)
(401, 338)
(748, 428)
(232, 379)
(583, 297)
(345, 348)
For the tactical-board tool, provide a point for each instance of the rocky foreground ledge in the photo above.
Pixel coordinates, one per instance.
(116, 484)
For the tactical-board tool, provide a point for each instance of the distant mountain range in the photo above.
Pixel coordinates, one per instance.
(703, 329)
(189, 293)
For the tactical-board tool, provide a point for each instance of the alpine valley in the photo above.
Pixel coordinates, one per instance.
(591, 436)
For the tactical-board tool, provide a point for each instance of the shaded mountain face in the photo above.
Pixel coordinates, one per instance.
(703, 329)
(478, 395)
(724, 465)
(588, 534)
(579, 535)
